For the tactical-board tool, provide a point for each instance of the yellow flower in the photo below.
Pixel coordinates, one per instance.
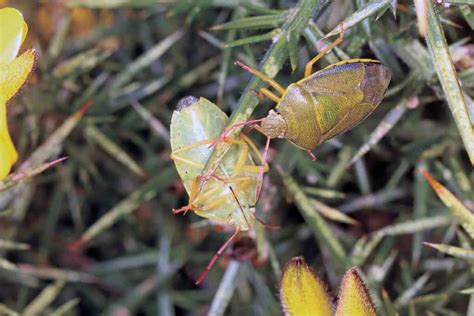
(303, 294)
(13, 73)
(354, 298)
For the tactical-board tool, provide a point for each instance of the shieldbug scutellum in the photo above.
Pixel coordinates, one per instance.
(228, 196)
(320, 106)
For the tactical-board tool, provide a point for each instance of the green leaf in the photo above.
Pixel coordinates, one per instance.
(81, 63)
(417, 57)
(414, 226)
(458, 210)
(114, 150)
(54, 143)
(413, 290)
(145, 60)
(364, 247)
(145, 193)
(324, 193)
(11, 245)
(66, 308)
(226, 289)
(254, 22)
(293, 50)
(469, 291)
(26, 174)
(459, 2)
(363, 13)
(468, 14)
(381, 130)
(317, 224)
(453, 251)
(5, 310)
(114, 3)
(333, 213)
(254, 39)
(447, 75)
(7, 265)
(44, 299)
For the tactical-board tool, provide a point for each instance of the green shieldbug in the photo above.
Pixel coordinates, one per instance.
(228, 196)
(322, 105)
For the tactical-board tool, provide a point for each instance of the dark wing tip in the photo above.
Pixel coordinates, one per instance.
(185, 102)
(375, 83)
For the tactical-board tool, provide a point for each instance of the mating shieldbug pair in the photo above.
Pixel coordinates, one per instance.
(309, 112)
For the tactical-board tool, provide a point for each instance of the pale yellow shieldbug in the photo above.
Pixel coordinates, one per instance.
(228, 196)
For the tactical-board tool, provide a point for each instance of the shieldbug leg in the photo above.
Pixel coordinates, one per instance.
(313, 157)
(236, 199)
(216, 203)
(216, 256)
(228, 130)
(262, 76)
(263, 160)
(248, 129)
(264, 92)
(196, 196)
(246, 144)
(192, 197)
(262, 168)
(258, 94)
(308, 70)
(175, 154)
(197, 181)
(266, 225)
(240, 165)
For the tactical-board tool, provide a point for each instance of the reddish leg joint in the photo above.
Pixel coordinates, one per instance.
(258, 94)
(268, 226)
(183, 209)
(313, 157)
(221, 179)
(227, 131)
(216, 256)
(204, 179)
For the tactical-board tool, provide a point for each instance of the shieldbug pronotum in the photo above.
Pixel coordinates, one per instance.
(228, 196)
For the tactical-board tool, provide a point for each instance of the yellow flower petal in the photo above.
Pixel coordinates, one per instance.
(354, 298)
(12, 33)
(301, 293)
(13, 75)
(7, 150)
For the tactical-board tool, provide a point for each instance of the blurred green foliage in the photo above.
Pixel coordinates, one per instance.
(115, 192)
